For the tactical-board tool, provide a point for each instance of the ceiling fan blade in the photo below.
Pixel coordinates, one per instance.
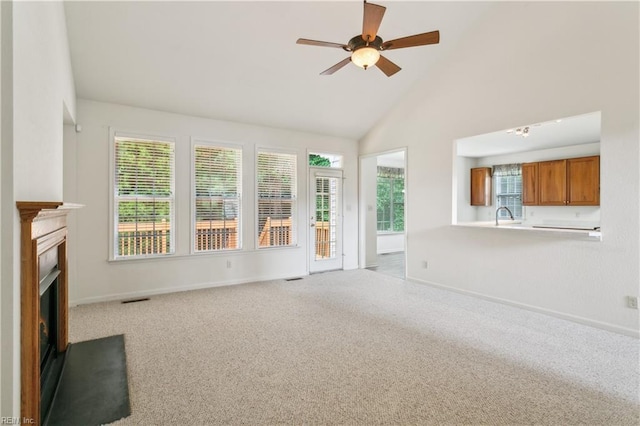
(319, 43)
(336, 67)
(387, 67)
(373, 14)
(432, 37)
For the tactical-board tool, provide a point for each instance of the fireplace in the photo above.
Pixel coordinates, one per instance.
(44, 310)
(51, 358)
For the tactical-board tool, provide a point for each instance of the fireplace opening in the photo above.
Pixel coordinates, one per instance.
(49, 319)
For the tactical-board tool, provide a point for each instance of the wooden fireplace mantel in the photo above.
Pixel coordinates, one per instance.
(43, 227)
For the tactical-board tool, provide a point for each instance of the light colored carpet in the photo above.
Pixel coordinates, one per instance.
(358, 347)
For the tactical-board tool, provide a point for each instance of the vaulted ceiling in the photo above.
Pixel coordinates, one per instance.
(239, 61)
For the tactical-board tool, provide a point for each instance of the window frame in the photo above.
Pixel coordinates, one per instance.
(392, 200)
(113, 198)
(295, 199)
(335, 158)
(502, 214)
(196, 142)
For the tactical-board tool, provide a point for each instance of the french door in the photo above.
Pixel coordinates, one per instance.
(325, 223)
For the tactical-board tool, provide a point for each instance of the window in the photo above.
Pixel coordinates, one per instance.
(276, 176)
(143, 197)
(508, 189)
(317, 159)
(217, 184)
(390, 199)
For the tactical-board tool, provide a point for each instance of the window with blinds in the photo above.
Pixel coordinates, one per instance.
(143, 197)
(218, 185)
(508, 189)
(276, 185)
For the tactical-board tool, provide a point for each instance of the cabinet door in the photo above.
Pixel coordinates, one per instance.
(530, 184)
(552, 180)
(583, 181)
(481, 186)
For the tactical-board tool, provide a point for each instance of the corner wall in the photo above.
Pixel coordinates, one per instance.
(97, 279)
(528, 62)
(36, 84)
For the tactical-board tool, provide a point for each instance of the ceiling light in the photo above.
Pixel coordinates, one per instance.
(365, 57)
(521, 131)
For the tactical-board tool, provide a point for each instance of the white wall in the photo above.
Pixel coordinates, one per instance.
(392, 242)
(2, 39)
(37, 83)
(528, 62)
(368, 212)
(97, 279)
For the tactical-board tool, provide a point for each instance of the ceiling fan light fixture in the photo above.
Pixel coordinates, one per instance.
(365, 57)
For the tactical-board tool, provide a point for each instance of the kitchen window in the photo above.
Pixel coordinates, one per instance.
(508, 189)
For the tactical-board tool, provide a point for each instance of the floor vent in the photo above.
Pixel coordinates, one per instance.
(293, 279)
(142, 299)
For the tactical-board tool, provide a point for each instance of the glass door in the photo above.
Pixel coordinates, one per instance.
(325, 224)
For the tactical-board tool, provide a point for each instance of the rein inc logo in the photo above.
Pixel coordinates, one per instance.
(16, 421)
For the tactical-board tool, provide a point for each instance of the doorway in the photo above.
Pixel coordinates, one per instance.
(325, 224)
(382, 212)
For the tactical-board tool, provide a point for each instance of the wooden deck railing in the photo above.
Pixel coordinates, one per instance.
(144, 238)
(216, 234)
(155, 237)
(275, 232)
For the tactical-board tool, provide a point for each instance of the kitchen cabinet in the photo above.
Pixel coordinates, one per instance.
(481, 186)
(574, 181)
(530, 189)
(552, 181)
(583, 181)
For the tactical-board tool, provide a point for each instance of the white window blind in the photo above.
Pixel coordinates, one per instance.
(276, 175)
(143, 197)
(508, 189)
(218, 184)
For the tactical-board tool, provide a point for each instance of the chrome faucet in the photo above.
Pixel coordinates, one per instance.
(507, 209)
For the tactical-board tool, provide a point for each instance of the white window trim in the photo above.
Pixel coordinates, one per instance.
(495, 195)
(294, 214)
(216, 144)
(113, 232)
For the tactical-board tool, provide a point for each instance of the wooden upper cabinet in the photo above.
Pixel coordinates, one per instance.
(571, 182)
(552, 181)
(481, 186)
(530, 193)
(583, 181)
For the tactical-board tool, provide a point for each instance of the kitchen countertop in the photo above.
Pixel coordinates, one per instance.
(561, 230)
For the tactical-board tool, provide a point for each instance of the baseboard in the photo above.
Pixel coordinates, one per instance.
(574, 318)
(167, 290)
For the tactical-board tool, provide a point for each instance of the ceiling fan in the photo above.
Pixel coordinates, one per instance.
(365, 49)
